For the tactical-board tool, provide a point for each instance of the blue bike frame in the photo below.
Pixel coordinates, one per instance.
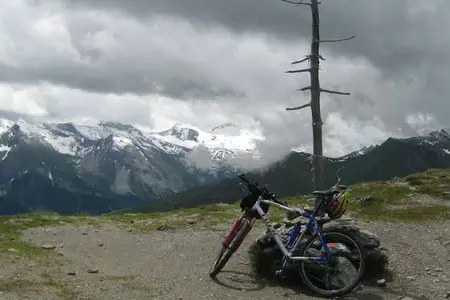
(289, 253)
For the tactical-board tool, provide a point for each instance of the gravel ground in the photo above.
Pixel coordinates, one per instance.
(174, 264)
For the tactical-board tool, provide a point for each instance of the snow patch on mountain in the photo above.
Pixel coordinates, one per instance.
(5, 125)
(226, 141)
(63, 144)
(221, 143)
(434, 137)
(6, 149)
(121, 142)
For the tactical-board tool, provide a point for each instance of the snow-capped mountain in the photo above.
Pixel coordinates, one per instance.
(107, 165)
(291, 176)
(76, 139)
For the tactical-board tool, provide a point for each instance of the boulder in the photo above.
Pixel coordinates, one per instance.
(265, 249)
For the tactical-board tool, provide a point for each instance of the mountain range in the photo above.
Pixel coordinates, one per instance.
(395, 157)
(102, 166)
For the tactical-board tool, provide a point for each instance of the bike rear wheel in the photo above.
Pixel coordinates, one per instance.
(230, 245)
(334, 238)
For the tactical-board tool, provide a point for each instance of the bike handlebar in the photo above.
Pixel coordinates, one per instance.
(254, 186)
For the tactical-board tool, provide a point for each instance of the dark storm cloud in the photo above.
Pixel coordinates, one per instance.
(397, 34)
(120, 82)
(233, 54)
(404, 39)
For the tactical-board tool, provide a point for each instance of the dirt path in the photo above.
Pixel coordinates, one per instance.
(174, 265)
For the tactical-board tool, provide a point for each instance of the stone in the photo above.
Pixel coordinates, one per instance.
(48, 246)
(381, 282)
(369, 239)
(164, 227)
(93, 270)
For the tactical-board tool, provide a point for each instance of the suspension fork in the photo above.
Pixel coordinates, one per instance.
(233, 230)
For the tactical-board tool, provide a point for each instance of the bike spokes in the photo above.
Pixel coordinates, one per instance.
(341, 271)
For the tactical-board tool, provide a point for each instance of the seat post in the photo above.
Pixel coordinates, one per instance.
(317, 201)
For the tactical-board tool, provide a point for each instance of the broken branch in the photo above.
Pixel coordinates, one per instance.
(337, 40)
(299, 71)
(304, 88)
(299, 107)
(300, 61)
(334, 92)
(297, 2)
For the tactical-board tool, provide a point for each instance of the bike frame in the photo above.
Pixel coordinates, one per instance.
(289, 254)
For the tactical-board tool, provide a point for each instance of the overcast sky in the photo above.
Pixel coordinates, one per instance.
(207, 62)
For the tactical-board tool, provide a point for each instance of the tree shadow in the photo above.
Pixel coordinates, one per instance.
(240, 281)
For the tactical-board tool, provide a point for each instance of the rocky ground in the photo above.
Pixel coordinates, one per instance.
(106, 260)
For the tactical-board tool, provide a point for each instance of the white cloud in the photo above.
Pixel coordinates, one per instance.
(76, 63)
(342, 134)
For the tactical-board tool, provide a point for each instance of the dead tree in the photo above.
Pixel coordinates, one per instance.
(315, 89)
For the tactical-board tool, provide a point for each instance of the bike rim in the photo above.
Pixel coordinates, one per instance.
(326, 269)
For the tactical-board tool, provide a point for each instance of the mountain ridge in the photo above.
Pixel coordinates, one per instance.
(108, 163)
(102, 166)
(291, 176)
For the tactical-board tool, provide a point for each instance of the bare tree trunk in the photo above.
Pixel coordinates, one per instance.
(314, 60)
(317, 160)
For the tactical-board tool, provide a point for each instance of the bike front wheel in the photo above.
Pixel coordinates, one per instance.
(232, 242)
(342, 272)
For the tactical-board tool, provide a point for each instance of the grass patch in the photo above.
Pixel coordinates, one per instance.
(63, 290)
(11, 228)
(392, 201)
(395, 201)
(22, 286)
(204, 216)
(435, 182)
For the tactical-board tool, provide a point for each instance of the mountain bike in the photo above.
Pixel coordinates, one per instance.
(327, 245)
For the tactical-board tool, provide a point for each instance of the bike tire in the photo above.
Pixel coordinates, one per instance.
(225, 253)
(356, 280)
